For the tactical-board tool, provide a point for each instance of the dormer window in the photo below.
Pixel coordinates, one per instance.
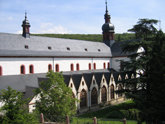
(86, 49)
(49, 48)
(26, 47)
(68, 48)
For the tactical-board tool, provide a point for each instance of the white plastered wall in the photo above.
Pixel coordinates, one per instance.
(32, 103)
(11, 66)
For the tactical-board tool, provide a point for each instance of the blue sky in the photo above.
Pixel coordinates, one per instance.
(77, 16)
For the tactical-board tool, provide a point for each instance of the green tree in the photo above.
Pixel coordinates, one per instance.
(149, 67)
(14, 109)
(55, 97)
(144, 28)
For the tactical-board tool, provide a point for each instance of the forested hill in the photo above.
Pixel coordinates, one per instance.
(90, 37)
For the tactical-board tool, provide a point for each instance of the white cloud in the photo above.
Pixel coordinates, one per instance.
(9, 18)
(50, 28)
(18, 32)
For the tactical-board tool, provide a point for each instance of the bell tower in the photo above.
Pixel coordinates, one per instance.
(108, 29)
(26, 27)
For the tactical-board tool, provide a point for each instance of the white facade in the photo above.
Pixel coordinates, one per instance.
(11, 66)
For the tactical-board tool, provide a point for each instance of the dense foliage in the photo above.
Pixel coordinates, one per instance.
(14, 108)
(147, 88)
(55, 97)
(90, 37)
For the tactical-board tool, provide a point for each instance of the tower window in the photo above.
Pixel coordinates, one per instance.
(86, 49)
(99, 50)
(26, 47)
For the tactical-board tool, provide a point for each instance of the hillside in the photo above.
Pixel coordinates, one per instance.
(90, 37)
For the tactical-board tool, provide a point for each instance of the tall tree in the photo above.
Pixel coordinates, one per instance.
(55, 97)
(14, 108)
(149, 66)
(144, 28)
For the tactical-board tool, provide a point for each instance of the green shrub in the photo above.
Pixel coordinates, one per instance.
(113, 114)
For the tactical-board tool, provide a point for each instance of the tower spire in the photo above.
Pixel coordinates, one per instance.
(26, 26)
(108, 28)
(107, 15)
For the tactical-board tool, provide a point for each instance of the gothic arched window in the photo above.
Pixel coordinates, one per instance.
(112, 91)
(103, 94)
(94, 96)
(83, 98)
(119, 89)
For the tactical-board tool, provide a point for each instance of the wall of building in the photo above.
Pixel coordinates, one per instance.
(116, 63)
(11, 66)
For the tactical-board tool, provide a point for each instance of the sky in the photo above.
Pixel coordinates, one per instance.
(77, 16)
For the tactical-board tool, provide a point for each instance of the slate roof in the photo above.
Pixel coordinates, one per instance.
(14, 45)
(107, 76)
(29, 93)
(76, 79)
(115, 75)
(19, 82)
(88, 79)
(67, 79)
(98, 77)
(117, 51)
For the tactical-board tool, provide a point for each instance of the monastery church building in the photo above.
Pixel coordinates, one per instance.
(90, 68)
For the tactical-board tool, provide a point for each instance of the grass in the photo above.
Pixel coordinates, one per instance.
(87, 118)
(78, 120)
(103, 112)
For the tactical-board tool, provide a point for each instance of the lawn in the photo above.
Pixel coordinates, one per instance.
(103, 112)
(87, 118)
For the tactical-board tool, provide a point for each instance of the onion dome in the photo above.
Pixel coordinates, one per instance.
(108, 27)
(25, 22)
